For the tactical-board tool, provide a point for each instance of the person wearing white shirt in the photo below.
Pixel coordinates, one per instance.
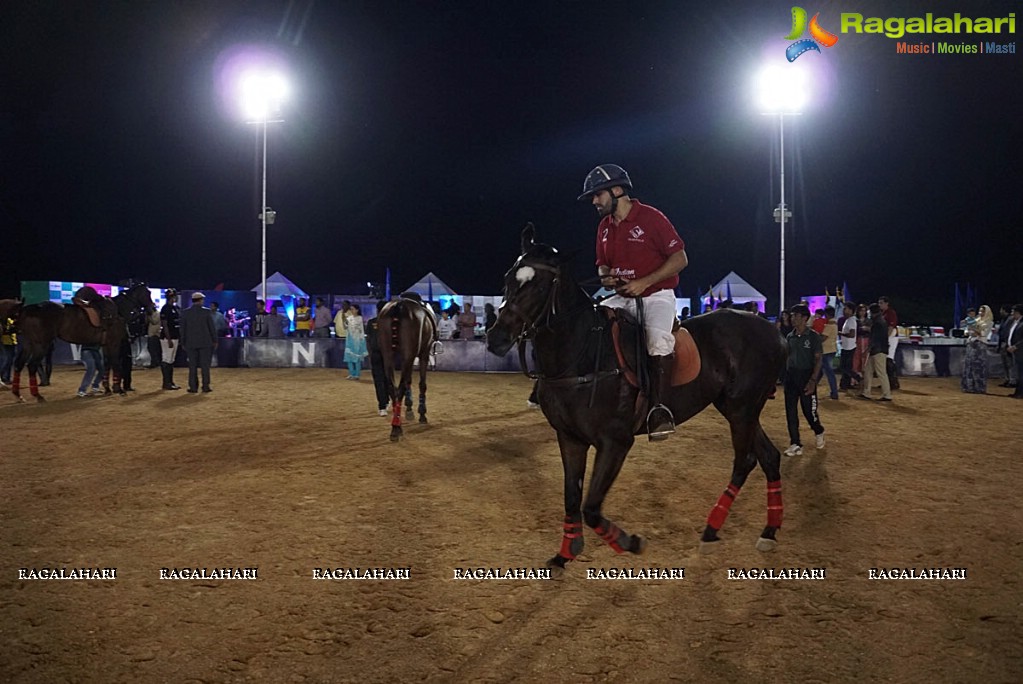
(847, 344)
(446, 326)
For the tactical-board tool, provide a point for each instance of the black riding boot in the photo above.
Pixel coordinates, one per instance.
(168, 376)
(659, 421)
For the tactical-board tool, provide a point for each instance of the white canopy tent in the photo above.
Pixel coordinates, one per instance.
(431, 288)
(277, 286)
(734, 287)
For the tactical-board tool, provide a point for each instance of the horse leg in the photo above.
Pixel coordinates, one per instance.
(770, 462)
(33, 382)
(573, 460)
(743, 430)
(396, 397)
(19, 363)
(606, 466)
(403, 383)
(423, 360)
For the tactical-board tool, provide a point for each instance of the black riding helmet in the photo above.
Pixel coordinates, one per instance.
(604, 177)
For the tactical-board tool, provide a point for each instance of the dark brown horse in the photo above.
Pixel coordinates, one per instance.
(408, 330)
(39, 324)
(587, 400)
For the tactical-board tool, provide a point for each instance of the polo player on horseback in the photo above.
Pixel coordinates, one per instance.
(639, 255)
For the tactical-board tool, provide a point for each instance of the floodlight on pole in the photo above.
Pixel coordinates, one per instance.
(781, 91)
(261, 96)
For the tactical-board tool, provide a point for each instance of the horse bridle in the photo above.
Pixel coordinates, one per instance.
(546, 314)
(549, 308)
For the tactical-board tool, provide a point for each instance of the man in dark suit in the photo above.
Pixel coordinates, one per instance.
(1015, 338)
(199, 338)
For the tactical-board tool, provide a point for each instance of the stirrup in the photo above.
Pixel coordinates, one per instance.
(665, 426)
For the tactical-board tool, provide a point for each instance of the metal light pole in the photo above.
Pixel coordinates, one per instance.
(781, 93)
(262, 95)
(782, 213)
(262, 216)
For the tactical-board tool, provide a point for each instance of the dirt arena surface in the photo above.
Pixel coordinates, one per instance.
(290, 470)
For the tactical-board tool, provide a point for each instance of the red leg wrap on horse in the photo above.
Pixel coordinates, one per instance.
(396, 414)
(720, 511)
(774, 507)
(33, 384)
(16, 383)
(614, 537)
(572, 541)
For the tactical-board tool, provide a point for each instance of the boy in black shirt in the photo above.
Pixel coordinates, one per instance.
(803, 365)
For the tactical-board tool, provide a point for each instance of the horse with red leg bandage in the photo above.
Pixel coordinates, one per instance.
(588, 393)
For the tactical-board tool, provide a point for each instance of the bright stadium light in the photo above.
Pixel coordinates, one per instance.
(781, 91)
(261, 94)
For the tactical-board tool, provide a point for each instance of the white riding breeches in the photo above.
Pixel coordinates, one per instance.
(658, 319)
(167, 353)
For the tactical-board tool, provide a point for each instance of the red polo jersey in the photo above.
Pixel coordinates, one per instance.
(639, 245)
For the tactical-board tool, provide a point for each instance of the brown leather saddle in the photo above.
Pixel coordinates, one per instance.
(100, 310)
(687, 363)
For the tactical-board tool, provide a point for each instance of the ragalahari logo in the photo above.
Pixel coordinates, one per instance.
(818, 34)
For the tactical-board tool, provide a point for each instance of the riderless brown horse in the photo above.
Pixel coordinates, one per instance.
(408, 329)
(39, 324)
(588, 400)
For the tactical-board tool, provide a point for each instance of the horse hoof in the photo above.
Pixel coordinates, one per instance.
(765, 544)
(422, 419)
(708, 547)
(638, 545)
(557, 566)
(40, 399)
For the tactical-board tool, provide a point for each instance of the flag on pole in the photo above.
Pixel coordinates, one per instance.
(969, 296)
(387, 286)
(728, 290)
(845, 292)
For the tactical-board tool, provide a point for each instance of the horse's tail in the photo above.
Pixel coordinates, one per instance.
(398, 311)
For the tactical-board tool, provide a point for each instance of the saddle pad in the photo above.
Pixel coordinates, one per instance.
(687, 359)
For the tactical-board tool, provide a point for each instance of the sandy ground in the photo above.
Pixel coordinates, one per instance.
(290, 470)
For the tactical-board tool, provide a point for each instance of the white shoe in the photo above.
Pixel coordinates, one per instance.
(83, 394)
(794, 450)
(382, 412)
(820, 441)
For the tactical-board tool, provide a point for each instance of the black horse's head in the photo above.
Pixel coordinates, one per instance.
(140, 295)
(529, 289)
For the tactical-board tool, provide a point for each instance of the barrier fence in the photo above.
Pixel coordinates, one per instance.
(935, 359)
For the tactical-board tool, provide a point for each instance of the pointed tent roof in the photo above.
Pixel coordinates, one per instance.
(741, 290)
(431, 287)
(278, 286)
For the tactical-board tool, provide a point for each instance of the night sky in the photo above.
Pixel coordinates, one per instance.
(421, 136)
